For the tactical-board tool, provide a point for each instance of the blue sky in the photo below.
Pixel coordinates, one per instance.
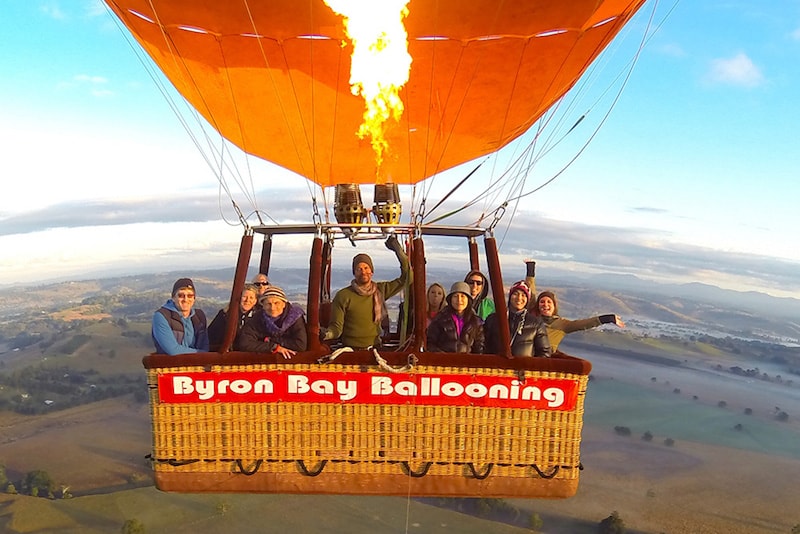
(693, 176)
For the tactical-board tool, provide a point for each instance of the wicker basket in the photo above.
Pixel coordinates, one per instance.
(322, 438)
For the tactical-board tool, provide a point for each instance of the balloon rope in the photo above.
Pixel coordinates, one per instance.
(268, 67)
(628, 74)
(453, 190)
(220, 162)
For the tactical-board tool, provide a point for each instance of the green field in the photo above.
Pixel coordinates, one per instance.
(173, 513)
(97, 447)
(610, 403)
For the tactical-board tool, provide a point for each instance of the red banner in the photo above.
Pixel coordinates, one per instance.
(368, 388)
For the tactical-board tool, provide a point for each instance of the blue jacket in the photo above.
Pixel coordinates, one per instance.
(175, 334)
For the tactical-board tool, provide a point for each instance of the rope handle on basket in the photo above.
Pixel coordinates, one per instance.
(544, 475)
(416, 474)
(174, 462)
(328, 358)
(314, 472)
(480, 476)
(383, 364)
(249, 472)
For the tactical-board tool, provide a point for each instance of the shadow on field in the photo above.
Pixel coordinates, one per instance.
(502, 511)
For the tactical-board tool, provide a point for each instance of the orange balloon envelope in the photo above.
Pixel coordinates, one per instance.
(273, 76)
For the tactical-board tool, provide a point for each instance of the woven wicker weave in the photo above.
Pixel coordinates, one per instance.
(389, 449)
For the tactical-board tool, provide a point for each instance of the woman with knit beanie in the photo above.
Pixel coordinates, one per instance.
(279, 328)
(456, 328)
(528, 331)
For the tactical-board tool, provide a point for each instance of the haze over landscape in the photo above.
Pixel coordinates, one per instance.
(711, 379)
(680, 215)
(691, 178)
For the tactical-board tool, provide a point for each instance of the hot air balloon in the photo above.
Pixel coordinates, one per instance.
(277, 79)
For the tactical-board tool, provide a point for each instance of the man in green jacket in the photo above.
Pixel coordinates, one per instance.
(482, 304)
(358, 310)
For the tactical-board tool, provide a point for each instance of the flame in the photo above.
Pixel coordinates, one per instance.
(380, 62)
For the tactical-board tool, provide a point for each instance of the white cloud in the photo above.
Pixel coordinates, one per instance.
(95, 8)
(53, 10)
(737, 70)
(90, 79)
(96, 84)
(104, 238)
(672, 50)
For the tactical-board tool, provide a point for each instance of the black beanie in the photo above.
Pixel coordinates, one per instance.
(181, 283)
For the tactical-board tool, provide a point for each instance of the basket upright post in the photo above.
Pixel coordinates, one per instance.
(245, 249)
(314, 290)
(420, 297)
(498, 294)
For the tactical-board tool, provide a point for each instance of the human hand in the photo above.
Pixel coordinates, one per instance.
(283, 351)
(618, 321)
(530, 268)
(325, 334)
(392, 243)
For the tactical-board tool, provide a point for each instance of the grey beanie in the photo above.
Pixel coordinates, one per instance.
(460, 287)
(362, 258)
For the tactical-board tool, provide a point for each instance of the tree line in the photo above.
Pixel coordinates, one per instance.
(36, 483)
(27, 391)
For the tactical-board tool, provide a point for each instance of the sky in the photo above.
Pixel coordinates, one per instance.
(691, 176)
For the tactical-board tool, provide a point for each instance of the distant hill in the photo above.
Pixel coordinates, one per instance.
(85, 419)
(745, 300)
(697, 306)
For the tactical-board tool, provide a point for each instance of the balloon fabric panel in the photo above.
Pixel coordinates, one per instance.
(278, 85)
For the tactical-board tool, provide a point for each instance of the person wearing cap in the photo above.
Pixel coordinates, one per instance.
(179, 327)
(278, 328)
(359, 310)
(261, 281)
(482, 305)
(456, 328)
(247, 308)
(558, 327)
(528, 331)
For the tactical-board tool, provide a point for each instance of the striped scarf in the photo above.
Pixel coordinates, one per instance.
(378, 304)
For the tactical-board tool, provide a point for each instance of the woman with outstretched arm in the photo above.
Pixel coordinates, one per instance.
(546, 306)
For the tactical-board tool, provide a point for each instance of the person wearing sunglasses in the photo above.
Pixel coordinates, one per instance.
(261, 281)
(482, 305)
(179, 327)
